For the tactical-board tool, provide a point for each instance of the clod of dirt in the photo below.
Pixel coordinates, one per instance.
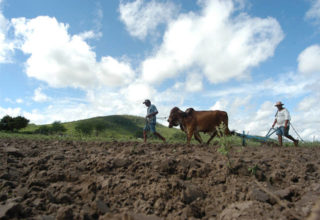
(246, 210)
(191, 193)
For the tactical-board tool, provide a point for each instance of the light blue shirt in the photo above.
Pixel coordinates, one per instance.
(152, 109)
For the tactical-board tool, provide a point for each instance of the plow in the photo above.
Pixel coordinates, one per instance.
(261, 139)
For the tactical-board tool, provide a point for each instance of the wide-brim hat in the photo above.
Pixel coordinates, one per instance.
(279, 104)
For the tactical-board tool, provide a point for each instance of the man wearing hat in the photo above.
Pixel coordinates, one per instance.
(151, 121)
(283, 122)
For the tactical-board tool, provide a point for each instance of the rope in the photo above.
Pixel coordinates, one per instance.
(164, 117)
(296, 132)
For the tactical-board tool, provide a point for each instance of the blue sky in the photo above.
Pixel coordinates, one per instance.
(70, 60)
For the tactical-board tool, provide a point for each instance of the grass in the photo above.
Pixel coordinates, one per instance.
(127, 128)
(116, 127)
(170, 136)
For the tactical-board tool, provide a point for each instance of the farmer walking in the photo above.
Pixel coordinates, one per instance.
(283, 122)
(151, 121)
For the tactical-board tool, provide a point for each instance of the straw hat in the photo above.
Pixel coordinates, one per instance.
(279, 103)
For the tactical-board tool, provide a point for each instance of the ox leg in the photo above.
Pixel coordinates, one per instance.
(212, 136)
(189, 136)
(198, 137)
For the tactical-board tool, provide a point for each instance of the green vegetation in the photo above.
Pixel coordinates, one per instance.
(225, 143)
(253, 170)
(55, 128)
(122, 128)
(8, 123)
(115, 127)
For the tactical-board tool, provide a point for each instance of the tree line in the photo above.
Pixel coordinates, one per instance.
(14, 124)
(8, 123)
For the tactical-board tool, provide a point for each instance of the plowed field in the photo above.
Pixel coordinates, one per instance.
(41, 179)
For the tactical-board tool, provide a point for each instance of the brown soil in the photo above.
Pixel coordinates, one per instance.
(116, 180)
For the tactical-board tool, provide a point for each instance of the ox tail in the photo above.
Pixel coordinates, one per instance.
(228, 132)
(233, 132)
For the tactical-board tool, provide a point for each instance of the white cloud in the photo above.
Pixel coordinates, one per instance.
(221, 45)
(19, 101)
(127, 100)
(39, 96)
(260, 121)
(112, 72)
(220, 105)
(308, 103)
(308, 60)
(106, 101)
(286, 84)
(63, 60)
(241, 101)
(16, 101)
(137, 92)
(266, 109)
(174, 96)
(194, 82)
(89, 35)
(35, 117)
(61, 109)
(314, 12)
(98, 19)
(13, 112)
(58, 112)
(6, 46)
(142, 17)
(306, 119)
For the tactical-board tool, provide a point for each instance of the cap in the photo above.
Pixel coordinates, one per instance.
(278, 103)
(146, 101)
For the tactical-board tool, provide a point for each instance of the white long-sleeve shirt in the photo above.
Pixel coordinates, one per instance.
(282, 116)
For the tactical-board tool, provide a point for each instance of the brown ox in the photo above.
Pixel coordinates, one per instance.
(192, 122)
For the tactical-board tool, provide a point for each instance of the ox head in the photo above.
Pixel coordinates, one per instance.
(189, 111)
(174, 117)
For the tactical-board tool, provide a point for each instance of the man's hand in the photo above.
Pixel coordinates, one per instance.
(151, 114)
(274, 123)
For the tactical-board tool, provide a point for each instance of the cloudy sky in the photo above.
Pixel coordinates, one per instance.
(68, 60)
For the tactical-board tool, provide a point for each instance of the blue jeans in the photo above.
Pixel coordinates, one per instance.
(150, 127)
(283, 131)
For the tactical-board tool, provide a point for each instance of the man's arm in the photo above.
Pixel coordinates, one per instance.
(274, 123)
(286, 123)
(152, 114)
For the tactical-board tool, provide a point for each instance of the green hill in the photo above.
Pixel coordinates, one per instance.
(124, 127)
